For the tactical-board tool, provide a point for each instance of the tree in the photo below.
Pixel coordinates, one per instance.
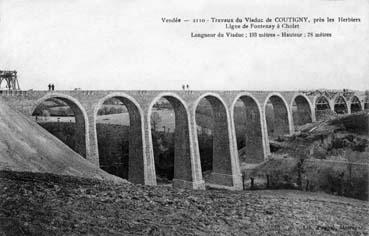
(45, 113)
(39, 110)
(155, 120)
(112, 110)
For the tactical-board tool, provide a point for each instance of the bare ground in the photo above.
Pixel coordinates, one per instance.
(26, 146)
(45, 204)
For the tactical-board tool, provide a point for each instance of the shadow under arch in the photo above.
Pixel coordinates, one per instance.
(322, 107)
(366, 103)
(301, 109)
(81, 120)
(340, 105)
(277, 120)
(183, 175)
(136, 159)
(355, 104)
(221, 159)
(248, 129)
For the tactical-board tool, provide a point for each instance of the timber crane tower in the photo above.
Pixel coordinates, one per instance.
(10, 77)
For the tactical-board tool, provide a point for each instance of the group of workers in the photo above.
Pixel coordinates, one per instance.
(51, 87)
(184, 87)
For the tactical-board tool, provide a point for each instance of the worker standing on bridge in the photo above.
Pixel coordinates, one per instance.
(52, 87)
(49, 87)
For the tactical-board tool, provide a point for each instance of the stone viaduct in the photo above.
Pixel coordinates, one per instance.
(290, 108)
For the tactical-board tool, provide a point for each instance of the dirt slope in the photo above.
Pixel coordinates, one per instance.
(25, 146)
(44, 204)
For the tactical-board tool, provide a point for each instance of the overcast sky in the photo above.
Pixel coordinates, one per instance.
(116, 44)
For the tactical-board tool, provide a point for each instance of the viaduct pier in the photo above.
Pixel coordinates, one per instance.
(291, 108)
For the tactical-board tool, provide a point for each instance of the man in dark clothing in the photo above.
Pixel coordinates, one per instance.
(49, 87)
(52, 87)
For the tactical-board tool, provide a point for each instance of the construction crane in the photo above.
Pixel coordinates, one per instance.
(10, 78)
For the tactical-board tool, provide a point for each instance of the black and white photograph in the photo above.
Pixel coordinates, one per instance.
(206, 117)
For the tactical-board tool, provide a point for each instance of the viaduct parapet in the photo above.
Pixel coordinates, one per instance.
(290, 108)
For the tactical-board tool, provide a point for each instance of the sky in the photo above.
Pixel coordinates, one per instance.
(122, 45)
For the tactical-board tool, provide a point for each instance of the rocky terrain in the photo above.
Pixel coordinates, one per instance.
(343, 138)
(330, 156)
(45, 204)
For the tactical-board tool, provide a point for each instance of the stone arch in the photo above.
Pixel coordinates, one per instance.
(255, 145)
(222, 140)
(302, 112)
(340, 105)
(81, 120)
(136, 156)
(184, 174)
(355, 104)
(280, 123)
(322, 107)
